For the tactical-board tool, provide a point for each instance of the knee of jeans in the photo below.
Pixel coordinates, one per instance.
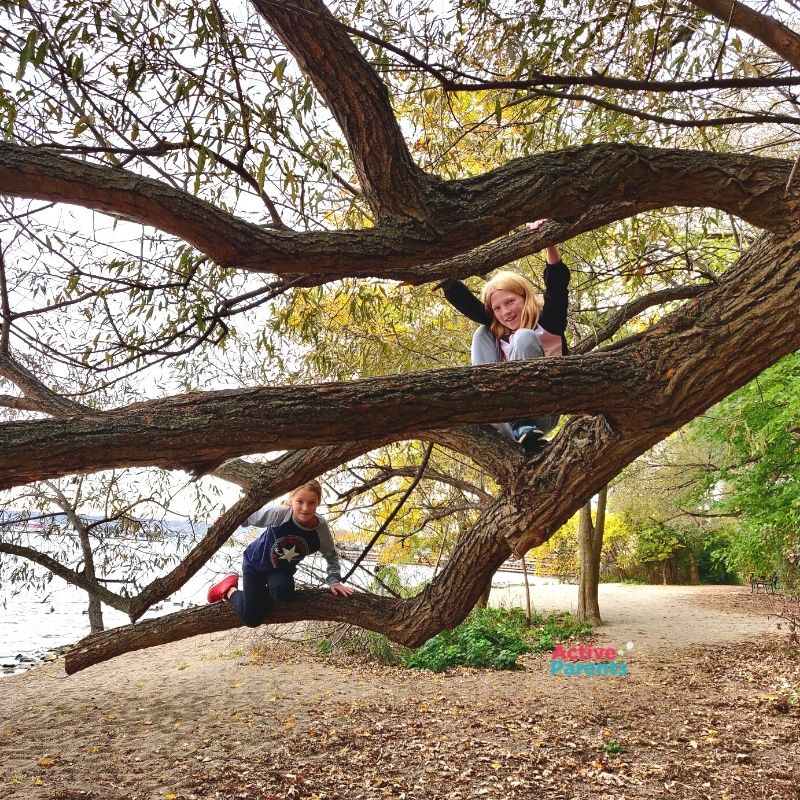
(527, 336)
(527, 344)
(481, 332)
(281, 587)
(282, 593)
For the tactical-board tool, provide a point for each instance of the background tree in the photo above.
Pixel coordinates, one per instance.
(754, 478)
(233, 175)
(590, 537)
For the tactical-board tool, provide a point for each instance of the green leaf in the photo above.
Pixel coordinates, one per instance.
(201, 163)
(262, 170)
(27, 53)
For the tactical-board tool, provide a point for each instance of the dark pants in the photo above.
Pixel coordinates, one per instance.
(259, 592)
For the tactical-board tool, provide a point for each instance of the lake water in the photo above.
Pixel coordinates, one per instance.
(33, 624)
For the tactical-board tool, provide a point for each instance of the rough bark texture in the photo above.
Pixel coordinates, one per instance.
(645, 389)
(590, 539)
(779, 38)
(358, 99)
(597, 184)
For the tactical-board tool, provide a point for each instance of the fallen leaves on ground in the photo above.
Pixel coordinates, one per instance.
(718, 722)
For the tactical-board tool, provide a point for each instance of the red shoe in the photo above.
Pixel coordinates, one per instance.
(218, 591)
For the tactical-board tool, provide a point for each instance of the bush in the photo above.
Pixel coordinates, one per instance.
(493, 638)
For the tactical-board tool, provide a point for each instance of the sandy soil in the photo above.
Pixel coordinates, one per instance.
(657, 617)
(205, 719)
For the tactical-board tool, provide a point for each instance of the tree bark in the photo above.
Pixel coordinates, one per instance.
(590, 539)
(647, 388)
(778, 37)
(483, 600)
(598, 184)
(588, 606)
(694, 572)
(392, 183)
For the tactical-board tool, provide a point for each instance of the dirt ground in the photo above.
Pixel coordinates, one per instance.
(709, 709)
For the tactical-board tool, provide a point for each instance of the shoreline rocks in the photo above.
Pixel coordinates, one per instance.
(22, 662)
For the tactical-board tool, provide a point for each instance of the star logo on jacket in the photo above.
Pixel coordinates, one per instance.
(288, 550)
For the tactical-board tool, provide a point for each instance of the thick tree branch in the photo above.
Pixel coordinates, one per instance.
(20, 403)
(583, 188)
(37, 396)
(633, 309)
(390, 180)
(651, 375)
(769, 31)
(193, 430)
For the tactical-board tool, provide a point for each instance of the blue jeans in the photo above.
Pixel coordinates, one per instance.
(259, 592)
(525, 343)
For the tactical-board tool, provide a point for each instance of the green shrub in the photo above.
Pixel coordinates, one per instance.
(493, 638)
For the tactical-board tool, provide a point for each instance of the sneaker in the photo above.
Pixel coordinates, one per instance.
(218, 591)
(530, 437)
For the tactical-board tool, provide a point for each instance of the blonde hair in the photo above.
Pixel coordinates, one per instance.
(312, 486)
(515, 283)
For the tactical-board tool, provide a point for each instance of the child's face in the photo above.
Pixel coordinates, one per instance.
(507, 308)
(304, 504)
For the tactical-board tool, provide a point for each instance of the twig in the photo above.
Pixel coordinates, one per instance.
(395, 512)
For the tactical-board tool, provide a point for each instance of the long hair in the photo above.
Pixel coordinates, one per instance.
(515, 283)
(312, 486)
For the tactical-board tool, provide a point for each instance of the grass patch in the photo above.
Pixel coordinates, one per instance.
(494, 638)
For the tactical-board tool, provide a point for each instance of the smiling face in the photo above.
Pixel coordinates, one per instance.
(303, 503)
(507, 308)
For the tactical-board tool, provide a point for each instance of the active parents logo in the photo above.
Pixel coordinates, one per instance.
(589, 661)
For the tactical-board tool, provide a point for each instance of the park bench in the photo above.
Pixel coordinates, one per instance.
(769, 584)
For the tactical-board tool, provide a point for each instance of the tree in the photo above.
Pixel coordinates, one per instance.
(590, 537)
(52, 528)
(754, 478)
(233, 160)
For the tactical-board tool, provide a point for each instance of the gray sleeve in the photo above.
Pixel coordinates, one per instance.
(328, 550)
(267, 516)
